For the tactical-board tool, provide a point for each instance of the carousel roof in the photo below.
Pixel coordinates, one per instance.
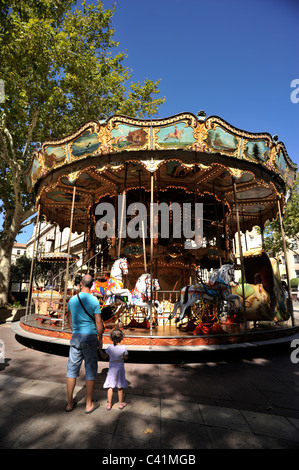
(201, 156)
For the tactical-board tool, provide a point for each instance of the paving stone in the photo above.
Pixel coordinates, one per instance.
(143, 431)
(184, 435)
(223, 417)
(271, 425)
(181, 411)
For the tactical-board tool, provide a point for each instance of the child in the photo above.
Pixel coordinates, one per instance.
(116, 374)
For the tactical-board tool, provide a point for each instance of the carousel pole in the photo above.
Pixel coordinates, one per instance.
(285, 258)
(68, 257)
(217, 227)
(245, 238)
(225, 232)
(262, 231)
(122, 213)
(121, 224)
(152, 249)
(240, 249)
(32, 262)
(142, 225)
(143, 243)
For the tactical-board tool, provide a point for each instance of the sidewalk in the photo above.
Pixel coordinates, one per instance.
(244, 399)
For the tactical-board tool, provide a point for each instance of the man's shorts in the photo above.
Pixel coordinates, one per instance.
(83, 346)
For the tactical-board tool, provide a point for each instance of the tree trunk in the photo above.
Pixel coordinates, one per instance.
(11, 227)
(5, 261)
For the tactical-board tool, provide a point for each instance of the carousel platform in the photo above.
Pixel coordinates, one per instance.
(168, 337)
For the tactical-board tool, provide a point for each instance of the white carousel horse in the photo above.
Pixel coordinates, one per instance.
(141, 294)
(115, 285)
(219, 289)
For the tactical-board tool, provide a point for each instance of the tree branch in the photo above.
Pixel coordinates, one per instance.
(30, 131)
(3, 130)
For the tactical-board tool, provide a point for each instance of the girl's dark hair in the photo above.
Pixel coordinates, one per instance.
(116, 336)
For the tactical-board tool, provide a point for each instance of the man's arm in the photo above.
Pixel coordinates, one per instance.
(99, 327)
(70, 320)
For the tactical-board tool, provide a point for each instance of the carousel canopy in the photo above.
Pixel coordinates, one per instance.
(57, 257)
(189, 156)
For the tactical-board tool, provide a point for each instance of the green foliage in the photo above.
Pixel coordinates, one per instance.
(272, 232)
(20, 270)
(294, 283)
(61, 67)
(16, 304)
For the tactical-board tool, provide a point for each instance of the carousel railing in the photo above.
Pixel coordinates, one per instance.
(63, 297)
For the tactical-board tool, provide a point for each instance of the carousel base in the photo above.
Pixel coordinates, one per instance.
(168, 337)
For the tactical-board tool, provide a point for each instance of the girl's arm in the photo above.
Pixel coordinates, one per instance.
(103, 354)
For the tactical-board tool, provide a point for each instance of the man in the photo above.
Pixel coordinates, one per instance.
(86, 324)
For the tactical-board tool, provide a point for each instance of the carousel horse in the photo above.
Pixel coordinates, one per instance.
(115, 285)
(99, 288)
(141, 294)
(219, 288)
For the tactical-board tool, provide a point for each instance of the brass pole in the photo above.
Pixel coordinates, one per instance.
(121, 224)
(68, 258)
(217, 228)
(262, 231)
(290, 303)
(32, 262)
(143, 243)
(122, 211)
(152, 249)
(240, 248)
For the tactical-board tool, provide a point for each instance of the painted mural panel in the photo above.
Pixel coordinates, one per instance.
(36, 169)
(281, 163)
(221, 140)
(87, 144)
(225, 179)
(175, 169)
(178, 135)
(290, 178)
(55, 156)
(255, 193)
(257, 150)
(60, 196)
(256, 208)
(128, 137)
(84, 180)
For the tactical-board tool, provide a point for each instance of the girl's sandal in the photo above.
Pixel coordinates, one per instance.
(122, 406)
(108, 407)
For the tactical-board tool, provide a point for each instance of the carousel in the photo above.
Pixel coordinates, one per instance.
(163, 205)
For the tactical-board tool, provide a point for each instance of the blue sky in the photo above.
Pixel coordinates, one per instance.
(234, 59)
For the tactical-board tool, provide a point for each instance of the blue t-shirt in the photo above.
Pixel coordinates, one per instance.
(82, 323)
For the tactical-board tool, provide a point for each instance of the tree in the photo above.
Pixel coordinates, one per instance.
(272, 232)
(58, 71)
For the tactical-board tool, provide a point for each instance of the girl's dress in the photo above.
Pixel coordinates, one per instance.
(116, 373)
